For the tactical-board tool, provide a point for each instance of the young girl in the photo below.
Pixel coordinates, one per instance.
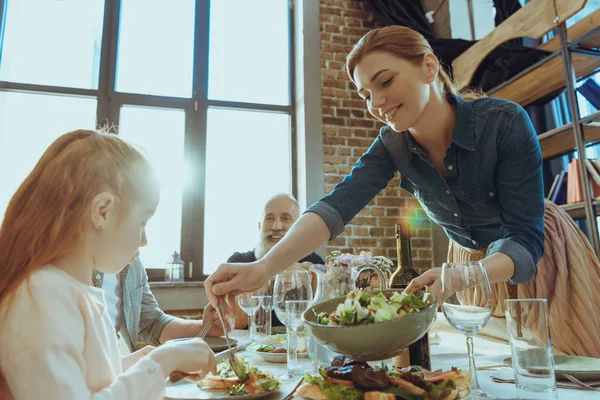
(85, 205)
(474, 164)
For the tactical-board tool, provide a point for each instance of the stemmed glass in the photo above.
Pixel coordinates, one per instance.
(471, 307)
(292, 295)
(249, 303)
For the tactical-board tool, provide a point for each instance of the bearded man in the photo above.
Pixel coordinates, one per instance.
(280, 213)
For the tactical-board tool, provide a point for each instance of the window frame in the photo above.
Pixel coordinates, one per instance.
(196, 108)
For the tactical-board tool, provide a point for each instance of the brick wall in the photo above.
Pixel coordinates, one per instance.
(348, 130)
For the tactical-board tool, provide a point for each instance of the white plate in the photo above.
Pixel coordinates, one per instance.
(582, 368)
(186, 390)
(216, 344)
(273, 357)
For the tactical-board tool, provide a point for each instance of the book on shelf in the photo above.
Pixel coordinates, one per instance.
(574, 188)
(558, 191)
(591, 91)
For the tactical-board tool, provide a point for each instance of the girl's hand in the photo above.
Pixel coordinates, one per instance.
(132, 358)
(193, 357)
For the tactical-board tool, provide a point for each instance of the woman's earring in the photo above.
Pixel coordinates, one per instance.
(100, 226)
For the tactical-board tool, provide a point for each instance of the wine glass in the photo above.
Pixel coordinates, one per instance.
(249, 303)
(292, 295)
(470, 309)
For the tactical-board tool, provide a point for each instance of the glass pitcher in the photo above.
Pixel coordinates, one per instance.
(335, 281)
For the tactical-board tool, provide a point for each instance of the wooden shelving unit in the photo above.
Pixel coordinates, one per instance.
(575, 54)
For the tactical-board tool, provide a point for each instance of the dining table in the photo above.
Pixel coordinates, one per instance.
(447, 349)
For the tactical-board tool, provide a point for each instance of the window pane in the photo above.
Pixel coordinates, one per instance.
(249, 51)
(29, 123)
(161, 134)
(244, 167)
(54, 43)
(155, 51)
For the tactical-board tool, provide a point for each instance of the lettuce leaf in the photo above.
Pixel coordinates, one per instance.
(334, 391)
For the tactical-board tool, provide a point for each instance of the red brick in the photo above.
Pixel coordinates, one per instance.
(422, 265)
(378, 211)
(335, 160)
(337, 20)
(326, 37)
(329, 74)
(345, 132)
(393, 212)
(334, 140)
(327, 18)
(337, 65)
(389, 242)
(342, 112)
(346, 169)
(365, 123)
(333, 121)
(330, 102)
(338, 84)
(359, 231)
(360, 142)
(330, 130)
(329, 150)
(389, 201)
(357, 113)
(327, 111)
(353, 104)
(330, 11)
(339, 39)
(332, 28)
(343, 151)
(341, 94)
(420, 243)
(335, 179)
(340, 241)
(368, 243)
(379, 232)
(364, 221)
(335, 48)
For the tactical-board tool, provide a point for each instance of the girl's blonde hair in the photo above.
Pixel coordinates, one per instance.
(408, 44)
(44, 219)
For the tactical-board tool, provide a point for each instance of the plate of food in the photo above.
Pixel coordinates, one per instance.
(582, 368)
(274, 348)
(348, 379)
(253, 384)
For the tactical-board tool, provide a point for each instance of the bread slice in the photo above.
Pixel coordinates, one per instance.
(379, 396)
(310, 391)
(217, 382)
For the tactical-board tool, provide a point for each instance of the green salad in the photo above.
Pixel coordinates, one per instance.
(367, 307)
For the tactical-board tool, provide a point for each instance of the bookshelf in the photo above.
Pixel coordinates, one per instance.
(575, 55)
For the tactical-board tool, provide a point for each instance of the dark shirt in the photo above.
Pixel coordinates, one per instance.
(248, 256)
(492, 195)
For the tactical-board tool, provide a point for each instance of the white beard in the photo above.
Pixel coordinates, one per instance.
(262, 247)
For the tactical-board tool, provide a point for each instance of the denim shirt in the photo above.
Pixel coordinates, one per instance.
(492, 195)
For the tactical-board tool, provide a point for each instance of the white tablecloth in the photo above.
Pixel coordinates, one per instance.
(449, 348)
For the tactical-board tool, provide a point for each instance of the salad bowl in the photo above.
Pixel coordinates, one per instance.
(374, 338)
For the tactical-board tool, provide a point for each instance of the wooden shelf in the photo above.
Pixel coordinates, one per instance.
(561, 140)
(579, 30)
(576, 210)
(548, 76)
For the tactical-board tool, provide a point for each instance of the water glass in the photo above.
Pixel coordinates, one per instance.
(467, 306)
(531, 348)
(294, 310)
(262, 316)
(292, 286)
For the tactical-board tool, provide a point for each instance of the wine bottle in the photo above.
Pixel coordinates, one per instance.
(418, 352)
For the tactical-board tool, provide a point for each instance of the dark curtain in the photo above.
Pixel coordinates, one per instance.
(502, 64)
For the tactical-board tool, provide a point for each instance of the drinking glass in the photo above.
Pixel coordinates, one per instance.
(249, 303)
(292, 286)
(531, 348)
(471, 307)
(262, 316)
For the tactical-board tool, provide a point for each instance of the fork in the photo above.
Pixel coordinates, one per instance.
(204, 330)
(594, 387)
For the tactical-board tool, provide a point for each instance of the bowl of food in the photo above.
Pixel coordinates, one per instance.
(371, 326)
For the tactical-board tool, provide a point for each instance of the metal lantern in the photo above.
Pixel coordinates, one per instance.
(174, 270)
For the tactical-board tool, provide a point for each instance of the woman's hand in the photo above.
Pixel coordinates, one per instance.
(193, 357)
(216, 327)
(233, 279)
(430, 280)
